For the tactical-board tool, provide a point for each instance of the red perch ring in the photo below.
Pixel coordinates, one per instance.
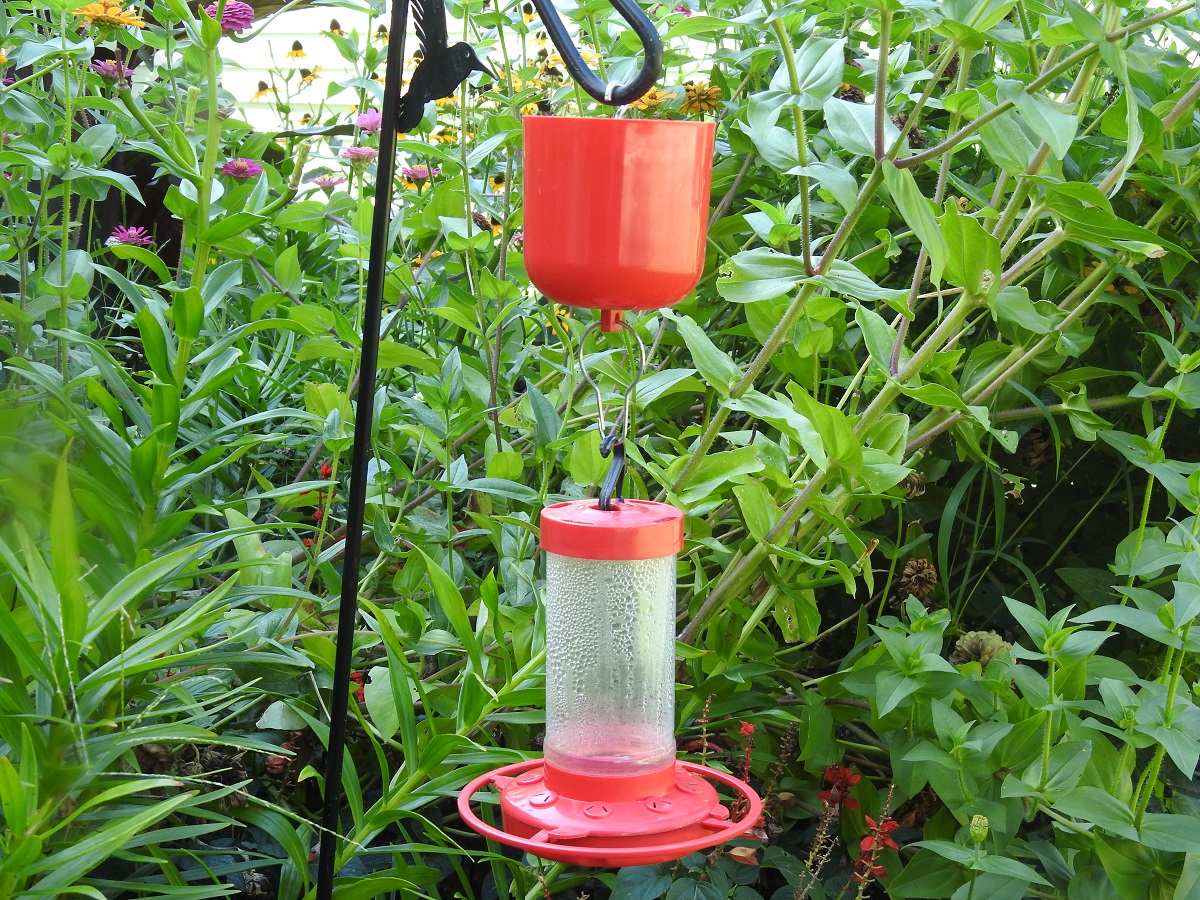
(640, 820)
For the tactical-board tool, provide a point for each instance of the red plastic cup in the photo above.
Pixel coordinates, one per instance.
(616, 210)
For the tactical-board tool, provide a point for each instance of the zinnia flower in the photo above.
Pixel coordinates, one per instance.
(370, 121)
(360, 157)
(241, 169)
(328, 182)
(111, 70)
(237, 15)
(109, 15)
(651, 99)
(297, 51)
(137, 236)
(701, 97)
(420, 173)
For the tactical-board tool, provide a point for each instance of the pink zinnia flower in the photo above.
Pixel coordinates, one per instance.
(237, 15)
(684, 11)
(137, 236)
(420, 173)
(111, 70)
(241, 169)
(370, 121)
(328, 182)
(360, 157)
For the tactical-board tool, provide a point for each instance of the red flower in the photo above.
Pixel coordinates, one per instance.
(841, 779)
(308, 542)
(360, 693)
(864, 867)
(326, 470)
(842, 776)
(748, 729)
(316, 516)
(878, 838)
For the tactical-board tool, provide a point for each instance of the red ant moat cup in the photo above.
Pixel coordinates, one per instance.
(616, 210)
(610, 791)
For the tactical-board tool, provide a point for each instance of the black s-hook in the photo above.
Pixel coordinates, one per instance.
(612, 93)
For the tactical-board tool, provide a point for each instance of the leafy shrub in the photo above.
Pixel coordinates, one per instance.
(930, 414)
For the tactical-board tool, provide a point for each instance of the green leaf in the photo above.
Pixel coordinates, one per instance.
(974, 254)
(546, 421)
(714, 364)
(397, 356)
(819, 64)
(853, 127)
(1053, 124)
(287, 270)
(451, 602)
(916, 212)
(231, 226)
(641, 883)
(1100, 808)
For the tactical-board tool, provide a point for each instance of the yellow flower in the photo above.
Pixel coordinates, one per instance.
(109, 15)
(445, 101)
(3, 58)
(305, 119)
(381, 34)
(297, 51)
(496, 183)
(335, 27)
(308, 77)
(528, 12)
(701, 97)
(651, 99)
(263, 90)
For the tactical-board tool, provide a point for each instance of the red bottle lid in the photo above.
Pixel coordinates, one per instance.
(633, 529)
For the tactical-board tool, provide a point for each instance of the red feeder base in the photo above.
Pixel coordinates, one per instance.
(601, 821)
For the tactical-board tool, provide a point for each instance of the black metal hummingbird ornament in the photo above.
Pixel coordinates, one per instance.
(442, 67)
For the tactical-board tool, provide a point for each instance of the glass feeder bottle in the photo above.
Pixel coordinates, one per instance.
(610, 636)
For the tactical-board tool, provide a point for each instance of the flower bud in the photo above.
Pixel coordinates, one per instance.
(979, 829)
(189, 108)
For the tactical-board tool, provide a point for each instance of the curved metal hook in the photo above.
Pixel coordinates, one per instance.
(613, 443)
(612, 94)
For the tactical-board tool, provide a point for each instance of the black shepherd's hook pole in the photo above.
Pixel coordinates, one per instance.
(361, 454)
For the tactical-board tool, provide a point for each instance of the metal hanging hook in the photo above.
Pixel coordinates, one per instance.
(611, 93)
(613, 443)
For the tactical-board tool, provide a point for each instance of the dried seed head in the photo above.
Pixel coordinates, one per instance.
(919, 578)
(978, 646)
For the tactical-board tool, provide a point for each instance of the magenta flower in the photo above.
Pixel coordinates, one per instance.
(684, 11)
(137, 236)
(241, 169)
(111, 70)
(328, 182)
(237, 15)
(370, 121)
(419, 173)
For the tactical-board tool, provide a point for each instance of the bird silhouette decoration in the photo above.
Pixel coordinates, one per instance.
(441, 70)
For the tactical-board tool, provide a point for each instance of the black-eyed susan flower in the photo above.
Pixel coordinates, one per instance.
(308, 76)
(263, 90)
(109, 15)
(297, 51)
(700, 97)
(528, 13)
(306, 119)
(652, 99)
(381, 34)
(335, 27)
(496, 182)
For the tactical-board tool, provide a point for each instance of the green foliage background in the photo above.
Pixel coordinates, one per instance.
(930, 413)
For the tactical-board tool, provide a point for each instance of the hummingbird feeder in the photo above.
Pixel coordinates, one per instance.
(616, 210)
(610, 791)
